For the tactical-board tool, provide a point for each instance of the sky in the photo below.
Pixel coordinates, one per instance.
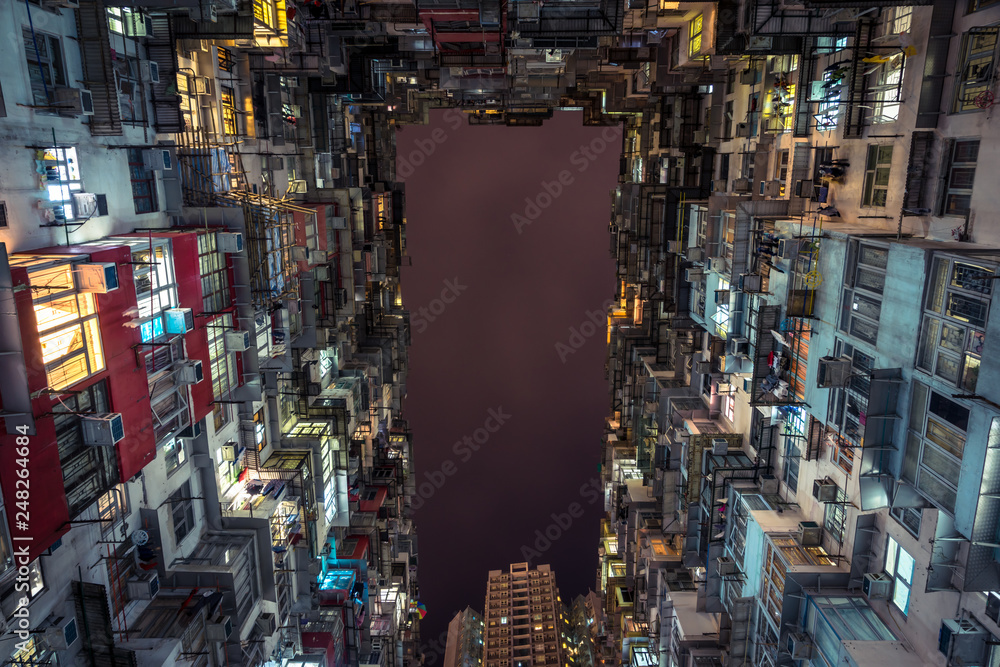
(507, 231)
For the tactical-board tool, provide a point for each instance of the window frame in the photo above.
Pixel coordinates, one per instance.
(952, 193)
(878, 167)
(853, 397)
(182, 512)
(54, 72)
(696, 29)
(969, 82)
(894, 553)
(925, 459)
(852, 320)
(140, 178)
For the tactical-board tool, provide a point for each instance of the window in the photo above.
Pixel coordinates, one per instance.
(899, 565)
(961, 174)
(975, 74)
(887, 88)
(976, 5)
(830, 44)
(792, 459)
(214, 275)
(728, 406)
(876, 188)
(727, 126)
(781, 167)
(862, 299)
(934, 446)
(953, 331)
(694, 35)
(61, 178)
(143, 183)
(229, 111)
(68, 328)
(131, 101)
(112, 508)
(182, 511)
(263, 12)
(258, 431)
(174, 455)
(829, 104)
(909, 518)
(155, 286)
(899, 19)
(849, 405)
(226, 60)
(45, 64)
(834, 515)
(841, 452)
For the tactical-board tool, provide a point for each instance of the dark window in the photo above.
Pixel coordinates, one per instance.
(143, 183)
(45, 64)
(182, 512)
(88, 472)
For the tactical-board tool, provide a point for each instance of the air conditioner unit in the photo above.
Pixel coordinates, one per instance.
(877, 586)
(703, 367)
(833, 371)
(737, 363)
(229, 242)
(323, 273)
(62, 634)
(742, 130)
(102, 430)
(748, 77)
(96, 278)
(751, 283)
(718, 264)
(149, 71)
(768, 485)
(266, 623)
(230, 451)
(741, 185)
(74, 101)
(789, 248)
(720, 446)
(220, 630)
(85, 204)
(748, 385)
(237, 341)
(825, 490)
(144, 587)
(963, 640)
(800, 646)
(804, 189)
(206, 11)
(720, 185)
(727, 566)
(693, 275)
(190, 372)
(695, 254)
(770, 188)
(738, 345)
(178, 320)
(204, 85)
(810, 534)
(701, 136)
(317, 256)
(157, 159)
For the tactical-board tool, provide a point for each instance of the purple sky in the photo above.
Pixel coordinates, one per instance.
(494, 347)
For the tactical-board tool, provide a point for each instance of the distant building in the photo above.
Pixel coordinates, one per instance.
(465, 640)
(524, 619)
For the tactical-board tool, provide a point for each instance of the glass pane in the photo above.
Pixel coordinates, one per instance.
(926, 347)
(953, 337)
(970, 374)
(56, 313)
(962, 178)
(890, 556)
(60, 343)
(872, 281)
(909, 472)
(966, 309)
(945, 438)
(937, 491)
(966, 151)
(901, 596)
(945, 466)
(877, 257)
(935, 291)
(866, 306)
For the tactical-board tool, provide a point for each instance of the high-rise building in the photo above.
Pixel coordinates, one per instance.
(465, 640)
(524, 618)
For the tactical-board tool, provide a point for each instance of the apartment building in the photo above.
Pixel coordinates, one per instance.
(464, 647)
(797, 452)
(524, 621)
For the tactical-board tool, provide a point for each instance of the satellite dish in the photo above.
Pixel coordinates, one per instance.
(140, 537)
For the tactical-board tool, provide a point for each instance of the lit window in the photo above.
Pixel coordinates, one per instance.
(728, 406)
(975, 71)
(899, 565)
(694, 39)
(61, 170)
(503, 620)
